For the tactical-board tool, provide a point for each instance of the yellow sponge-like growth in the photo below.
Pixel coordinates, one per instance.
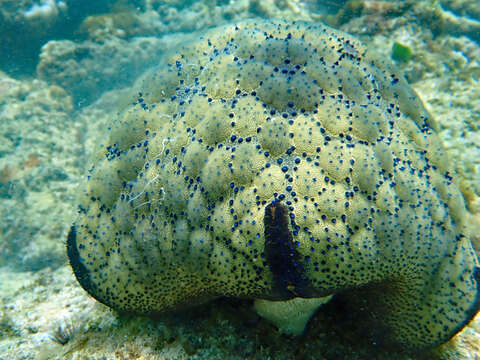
(272, 161)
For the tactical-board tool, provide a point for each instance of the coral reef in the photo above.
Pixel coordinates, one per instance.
(279, 160)
(36, 178)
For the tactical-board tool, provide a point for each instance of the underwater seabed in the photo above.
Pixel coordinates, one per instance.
(46, 315)
(47, 133)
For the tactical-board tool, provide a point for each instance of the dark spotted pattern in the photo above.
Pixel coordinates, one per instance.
(280, 139)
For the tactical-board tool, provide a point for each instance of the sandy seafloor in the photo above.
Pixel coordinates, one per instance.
(64, 69)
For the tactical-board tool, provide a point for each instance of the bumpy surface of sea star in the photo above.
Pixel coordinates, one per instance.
(274, 161)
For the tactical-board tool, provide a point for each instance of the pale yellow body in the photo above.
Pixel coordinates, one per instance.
(173, 211)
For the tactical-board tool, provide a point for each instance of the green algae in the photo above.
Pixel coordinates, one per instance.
(401, 52)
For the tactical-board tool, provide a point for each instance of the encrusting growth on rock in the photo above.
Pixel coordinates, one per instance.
(277, 160)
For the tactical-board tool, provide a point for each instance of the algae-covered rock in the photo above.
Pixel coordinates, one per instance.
(36, 130)
(88, 69)
(464, 8)
(274, 161)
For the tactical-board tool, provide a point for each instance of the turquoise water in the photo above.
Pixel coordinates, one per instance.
(68, 67)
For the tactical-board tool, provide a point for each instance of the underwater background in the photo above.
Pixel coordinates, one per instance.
(65, 66)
